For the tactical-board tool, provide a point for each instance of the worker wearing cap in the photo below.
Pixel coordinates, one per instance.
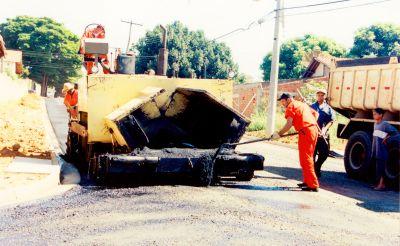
(325, 120)
(304, 120)
(71, 100)
(2, 47)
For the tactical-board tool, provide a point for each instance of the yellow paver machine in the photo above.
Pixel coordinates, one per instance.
(145, 126)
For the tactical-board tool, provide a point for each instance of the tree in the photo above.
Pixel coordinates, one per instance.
(190, 54)
(293, 51)
(49, 49)
(376, 40)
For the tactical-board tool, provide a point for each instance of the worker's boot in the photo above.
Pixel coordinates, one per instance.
(301, 185)
(306, 188)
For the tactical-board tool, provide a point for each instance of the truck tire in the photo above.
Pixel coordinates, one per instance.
(205, 171)
(392, 169)
(358, 156)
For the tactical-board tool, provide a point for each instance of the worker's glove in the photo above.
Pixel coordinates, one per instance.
(275, 136)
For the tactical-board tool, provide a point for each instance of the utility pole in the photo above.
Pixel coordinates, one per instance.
(130, 31)
(205, 68)
(273, 79)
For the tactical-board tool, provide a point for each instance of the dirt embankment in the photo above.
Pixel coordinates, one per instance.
(21, 134)
(21, 128)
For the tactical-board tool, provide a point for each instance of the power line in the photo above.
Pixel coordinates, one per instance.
(249, 26)
(334, 9)
(262, 20)
(315, 5)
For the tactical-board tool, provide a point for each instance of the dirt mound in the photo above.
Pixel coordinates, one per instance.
(21, 128)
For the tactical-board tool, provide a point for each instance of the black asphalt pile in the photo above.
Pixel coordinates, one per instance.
(191, 116)
(173, 152)
(201, 160)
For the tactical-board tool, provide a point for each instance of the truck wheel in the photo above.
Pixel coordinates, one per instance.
(245, 175)
(392, 169)
(205, 171)
(358, 155)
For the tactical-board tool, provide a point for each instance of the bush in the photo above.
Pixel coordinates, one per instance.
(259, 120)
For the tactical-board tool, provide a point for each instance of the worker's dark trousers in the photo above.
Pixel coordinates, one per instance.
(321, 154)
(380, 168)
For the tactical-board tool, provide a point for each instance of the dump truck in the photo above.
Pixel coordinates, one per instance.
(355, 88)
(145, 126)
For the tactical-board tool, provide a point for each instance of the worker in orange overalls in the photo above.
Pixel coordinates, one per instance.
(97, 31)
(304, 120)
(71, 100)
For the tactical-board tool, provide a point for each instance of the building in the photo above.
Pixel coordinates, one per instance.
(318, 64)
(248, 97)
(11, 62)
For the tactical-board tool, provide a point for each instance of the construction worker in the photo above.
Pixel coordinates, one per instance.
(2, 47)
(71, 100)
(95, 31)
(382, 135)
(304, 120)
(325, 121)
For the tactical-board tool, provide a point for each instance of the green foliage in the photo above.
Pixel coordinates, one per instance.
(376, 40)
(309, 90)
(189, 53)
(259, 120)
(48, 47)
(293, 51)
(241, 79)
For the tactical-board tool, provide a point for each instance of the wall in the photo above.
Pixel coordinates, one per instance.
(13, 89)
(9, 62)
(247, 97)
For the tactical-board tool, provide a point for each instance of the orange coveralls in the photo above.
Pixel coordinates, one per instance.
(94, 33)
(71, 101)
(305, 123)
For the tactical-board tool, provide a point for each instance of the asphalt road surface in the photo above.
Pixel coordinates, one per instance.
(269, 210)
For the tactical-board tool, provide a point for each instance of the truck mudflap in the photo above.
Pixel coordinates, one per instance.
(180, 161)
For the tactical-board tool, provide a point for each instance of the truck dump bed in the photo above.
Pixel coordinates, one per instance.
(365, 84)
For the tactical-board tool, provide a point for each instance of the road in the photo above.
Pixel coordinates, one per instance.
(269, 210)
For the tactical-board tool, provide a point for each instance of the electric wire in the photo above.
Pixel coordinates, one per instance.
(303, 13)
(339, 8)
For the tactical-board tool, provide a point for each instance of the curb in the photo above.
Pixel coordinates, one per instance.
(68, 174)
(41, 189)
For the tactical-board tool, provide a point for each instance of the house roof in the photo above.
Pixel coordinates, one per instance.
(314, 64)
(364, 61)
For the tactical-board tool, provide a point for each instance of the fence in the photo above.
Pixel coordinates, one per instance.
(248, 97)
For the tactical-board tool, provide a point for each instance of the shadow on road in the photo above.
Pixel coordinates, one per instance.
(270, 177)
(261, 187)
(339, 183)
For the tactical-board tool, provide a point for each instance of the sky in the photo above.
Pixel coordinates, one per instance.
(215, 18)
